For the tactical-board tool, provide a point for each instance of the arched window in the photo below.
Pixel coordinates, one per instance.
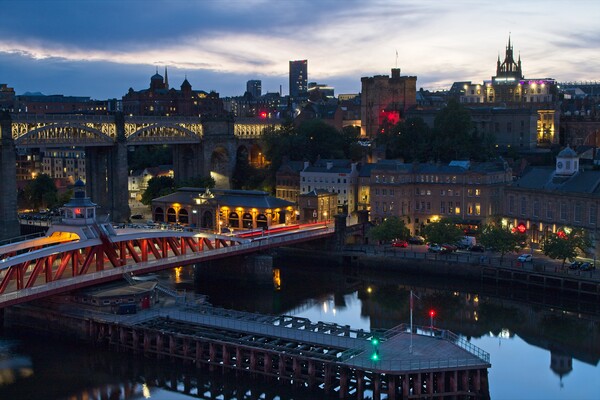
(234, 220)
(207, 220)
(159, 214)
(261, 221)
(183, 216)
(247, 220)
(171, 215)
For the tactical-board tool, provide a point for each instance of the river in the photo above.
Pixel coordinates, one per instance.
(541, 346)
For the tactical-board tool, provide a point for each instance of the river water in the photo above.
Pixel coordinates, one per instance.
(541, 346)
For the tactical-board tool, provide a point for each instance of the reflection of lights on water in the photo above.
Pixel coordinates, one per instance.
(145, 391)
(277, 278)
(369, 289)
(476, 299)
(475, 316)
(178, 274)
(326, 307)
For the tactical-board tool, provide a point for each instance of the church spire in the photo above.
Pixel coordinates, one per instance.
(166, 79)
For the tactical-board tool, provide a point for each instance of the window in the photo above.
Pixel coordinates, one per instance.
(563, 211)
(549, 213)
(477, 192)
(523, 205)
(536, 208)
(477, 209)
(470, 208)
(442, 207)
(450, 208)
(511, 204)
(592, 219)
(577, 212)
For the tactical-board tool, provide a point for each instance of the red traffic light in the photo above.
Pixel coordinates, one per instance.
(521, 228)
(432, 313)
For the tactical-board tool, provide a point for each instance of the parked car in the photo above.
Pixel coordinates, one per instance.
(587, 266)
(575, 265)
(525, 258)
(448, 248)
(477, 247)
(416, 240)
(434, 248)
(399, 243)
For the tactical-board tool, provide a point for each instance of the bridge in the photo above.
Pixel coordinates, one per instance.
(200, 147)
(71, 256)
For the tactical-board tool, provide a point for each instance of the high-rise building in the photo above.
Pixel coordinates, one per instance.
(298, 78)
(254, 87)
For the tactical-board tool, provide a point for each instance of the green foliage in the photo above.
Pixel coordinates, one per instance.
(313, 139)
(157, 187)
(390, 229)
(500, 238)
(149, 156)
(442, 231)
(409, 140)
(41, 193)
(565, 244)
(206, 182)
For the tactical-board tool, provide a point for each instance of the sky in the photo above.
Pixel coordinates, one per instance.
(101, 48)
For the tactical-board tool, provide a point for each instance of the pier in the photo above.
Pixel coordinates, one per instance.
(429, 363)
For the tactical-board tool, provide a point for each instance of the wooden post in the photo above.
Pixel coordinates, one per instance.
(392, 387)
(343, 382)
(360, 384)
(376, 386)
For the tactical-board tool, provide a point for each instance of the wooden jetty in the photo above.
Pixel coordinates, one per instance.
(429, 363)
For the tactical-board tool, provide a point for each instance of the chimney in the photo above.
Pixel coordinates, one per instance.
(395, 73)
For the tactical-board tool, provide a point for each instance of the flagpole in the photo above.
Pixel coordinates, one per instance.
(411, 323)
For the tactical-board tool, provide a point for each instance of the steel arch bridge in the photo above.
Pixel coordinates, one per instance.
(85, 131)
(69, 258)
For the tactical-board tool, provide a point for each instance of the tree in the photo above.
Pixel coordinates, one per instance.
(205, 182)
(565, 244)
(157, 187)
(390, 229)
(410, 140)
(442, 231)
(453, 135)
(41, 192)
(502, 239)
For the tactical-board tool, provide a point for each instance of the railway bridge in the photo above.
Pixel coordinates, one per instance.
(200, 147)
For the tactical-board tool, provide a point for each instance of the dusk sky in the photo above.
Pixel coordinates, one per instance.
(102, 48)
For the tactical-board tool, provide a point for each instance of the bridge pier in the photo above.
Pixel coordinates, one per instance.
(188, 161)
(8, 201)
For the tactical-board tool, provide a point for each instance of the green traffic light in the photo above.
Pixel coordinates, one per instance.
(375, 341)
(375, 356)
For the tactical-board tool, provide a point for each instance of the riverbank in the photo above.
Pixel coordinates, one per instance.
(539, 276)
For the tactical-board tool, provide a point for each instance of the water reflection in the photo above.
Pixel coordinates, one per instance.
(527, 334)
(556, 337)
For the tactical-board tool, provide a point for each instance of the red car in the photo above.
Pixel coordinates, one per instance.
(399, 243)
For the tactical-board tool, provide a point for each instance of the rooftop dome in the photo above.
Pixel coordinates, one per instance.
(567, 152)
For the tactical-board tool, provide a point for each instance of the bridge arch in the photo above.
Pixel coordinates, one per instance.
(220, 161)
(64, 134)
(158, 132)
